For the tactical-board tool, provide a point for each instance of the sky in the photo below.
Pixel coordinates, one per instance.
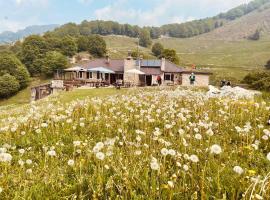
(17, 14)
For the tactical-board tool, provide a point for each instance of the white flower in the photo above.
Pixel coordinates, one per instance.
(106, 167)
(28, 162)
(76, 143)
(164, 151)
(265, 137)
(268, 156)
(170, 183)
(29, 171)
(185, 167)
(1, 190)
(172, 152)
(210, 132)
(194, 158)
(215, 149)
(21, 151)
(100, 145)
(239, 170)
(5, 157)
(3, 150)
(198, 136)
(154, 164)
(51, 153)
(71, 162)
(138, 152)
(100, 156)
(21, 162)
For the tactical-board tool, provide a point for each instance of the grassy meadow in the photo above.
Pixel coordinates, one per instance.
(159, 143)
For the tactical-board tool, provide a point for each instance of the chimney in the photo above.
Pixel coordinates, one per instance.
(163, 63)
(107, 59)
(129, 55)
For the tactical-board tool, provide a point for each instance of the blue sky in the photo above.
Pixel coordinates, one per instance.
(17, 14)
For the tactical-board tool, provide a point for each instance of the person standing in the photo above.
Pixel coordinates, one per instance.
(192, 79)
(159, 81)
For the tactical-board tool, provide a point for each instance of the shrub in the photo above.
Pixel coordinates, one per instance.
(157, 49)
(258, 80)
(9, 85)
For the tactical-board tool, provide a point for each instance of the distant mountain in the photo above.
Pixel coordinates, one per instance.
(8, 36)
(243, 27)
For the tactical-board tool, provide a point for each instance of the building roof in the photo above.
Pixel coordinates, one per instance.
(147, 66)
(115, 65)
(151, 70)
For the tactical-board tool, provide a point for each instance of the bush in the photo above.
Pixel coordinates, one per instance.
(145, 39)
(171, 55)
(157, 49)
(96, 46)
(258, 80)
(10, 64)
(9, 85)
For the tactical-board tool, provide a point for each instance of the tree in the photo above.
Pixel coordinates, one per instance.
(268, 64)
(68, 46)
(83, 43)
(157, 49)
(8, 85)
(96, 46)
(53, 61)
(10, 64)
(144, 38)
(33, 47)
(171, 55)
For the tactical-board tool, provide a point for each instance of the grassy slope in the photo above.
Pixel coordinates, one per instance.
(24, 96)
(225, 58)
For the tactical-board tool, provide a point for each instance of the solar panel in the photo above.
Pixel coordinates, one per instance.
(150, 63)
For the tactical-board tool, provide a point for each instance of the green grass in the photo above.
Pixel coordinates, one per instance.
(23, 96)
(158, 143)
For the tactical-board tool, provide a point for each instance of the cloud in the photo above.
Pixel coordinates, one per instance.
(164, 11)
(32, 2)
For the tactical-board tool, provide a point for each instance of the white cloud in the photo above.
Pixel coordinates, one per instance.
(164, 11)
(32, 2)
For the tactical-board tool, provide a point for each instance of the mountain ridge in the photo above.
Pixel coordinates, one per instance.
(9, 36)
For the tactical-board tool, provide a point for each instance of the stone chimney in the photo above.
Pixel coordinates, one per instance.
(107, 59)
(129, 55)
(163, 63)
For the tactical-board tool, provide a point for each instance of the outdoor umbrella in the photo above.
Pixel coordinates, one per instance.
(135, 72)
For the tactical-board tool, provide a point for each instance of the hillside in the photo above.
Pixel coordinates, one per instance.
(243, 27)
(8, 36)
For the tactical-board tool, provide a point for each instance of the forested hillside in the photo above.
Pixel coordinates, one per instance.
(183, 30)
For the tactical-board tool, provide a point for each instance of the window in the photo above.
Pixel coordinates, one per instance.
(89, 75)
(98, 75)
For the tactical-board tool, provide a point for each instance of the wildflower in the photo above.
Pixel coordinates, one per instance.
(100, 156)
(106, 167)
(71, 162)
(170, 184)
(194, 158)
(29, 171)
(265, 137)
(172, 152)
(164, 152)
(138, 152)
(28, 162)
(21, 162)
(5, 157)
(268, 156)
(210, 132)
(198, 136)
(51, 153)
(215, 149)
(154, 164)
(21, 151)
(1, 190)
(76, 143)
(239, 170)
(185, 167)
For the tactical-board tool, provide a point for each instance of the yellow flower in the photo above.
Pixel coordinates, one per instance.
(252, 172)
